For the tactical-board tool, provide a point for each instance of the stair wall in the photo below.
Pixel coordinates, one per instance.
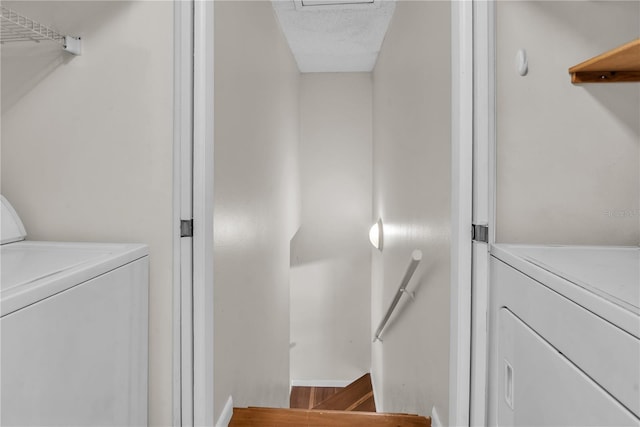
(331, 254)
(255, 204)
(412, 187)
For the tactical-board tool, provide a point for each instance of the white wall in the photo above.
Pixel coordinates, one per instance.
(330, 254)
(256, 210)
(568, 167)
(411, 193)
(87, 144)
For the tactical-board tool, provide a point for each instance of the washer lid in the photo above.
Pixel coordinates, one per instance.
(33, 271)
(12, 228)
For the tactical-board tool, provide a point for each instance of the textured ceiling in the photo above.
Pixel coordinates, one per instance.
(334, 37)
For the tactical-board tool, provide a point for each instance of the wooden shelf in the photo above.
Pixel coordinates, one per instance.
(621, 64)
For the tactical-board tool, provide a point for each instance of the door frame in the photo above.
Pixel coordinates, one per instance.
(473, 198)
(193, 385)
(203, 172)
(461, 210)
(192, 367)
(484, 180)
(182, 356)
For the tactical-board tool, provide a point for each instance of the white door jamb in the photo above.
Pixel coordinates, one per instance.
(203, 118)
(193, 199)
(483, 199)
(461, 211)
(182, 384)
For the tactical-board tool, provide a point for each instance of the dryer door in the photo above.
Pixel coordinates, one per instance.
(538, 386)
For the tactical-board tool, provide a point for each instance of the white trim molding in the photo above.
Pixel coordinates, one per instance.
(461, 210)
(203, 118)
(182, 356)
(435, 418)
(377, 393)
(484, 199)
(227, 414)
(320, 383)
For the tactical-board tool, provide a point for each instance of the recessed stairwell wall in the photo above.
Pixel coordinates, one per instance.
(411, 193)
(256, 210)
(330, 254)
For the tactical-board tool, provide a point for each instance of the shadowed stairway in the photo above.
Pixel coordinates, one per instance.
(351, 406)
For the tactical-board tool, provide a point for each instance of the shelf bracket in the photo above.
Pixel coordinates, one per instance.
(73, 45)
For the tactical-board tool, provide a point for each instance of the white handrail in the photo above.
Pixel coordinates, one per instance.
(416, 256)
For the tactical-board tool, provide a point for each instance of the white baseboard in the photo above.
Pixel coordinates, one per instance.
(320, 383)
(227, 413)
(435, 419)
(376, 394)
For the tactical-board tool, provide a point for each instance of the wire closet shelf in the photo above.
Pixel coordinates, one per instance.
(17, 28)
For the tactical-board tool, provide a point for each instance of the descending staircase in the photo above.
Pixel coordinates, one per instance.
(357, 396)
(351, 406)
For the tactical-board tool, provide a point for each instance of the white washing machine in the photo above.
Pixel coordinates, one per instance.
(564, 336)
(73, 331)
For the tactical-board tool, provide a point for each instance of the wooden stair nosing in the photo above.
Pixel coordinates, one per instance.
(403, 414)
(346, 397)
(266, 417)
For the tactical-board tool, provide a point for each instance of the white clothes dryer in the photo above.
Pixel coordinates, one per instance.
(73, 331)
(564, 336)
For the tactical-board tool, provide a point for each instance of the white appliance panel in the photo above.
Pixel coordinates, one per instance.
(613, 273)
(541, 387)
(603, 351)
(21, 266)
(604, 280)
(32, 271)
(579, 302)
(79, 357)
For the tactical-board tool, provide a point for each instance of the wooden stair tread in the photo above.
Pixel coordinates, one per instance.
(272, 417)
(352, 397)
